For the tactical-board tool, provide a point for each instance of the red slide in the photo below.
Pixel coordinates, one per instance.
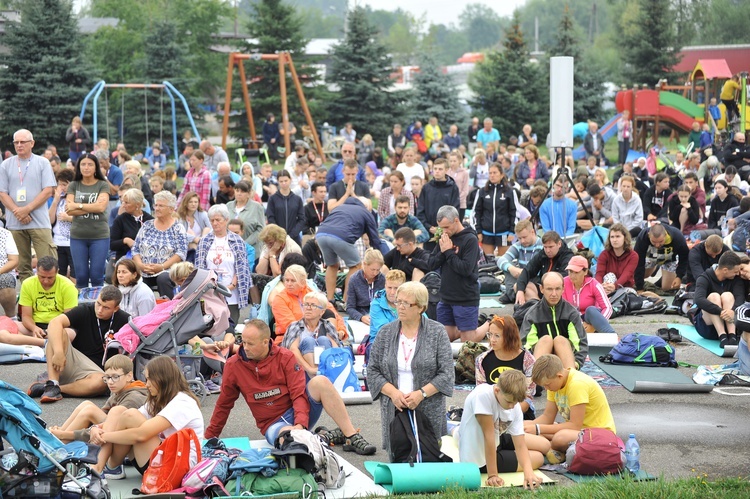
(676, 118)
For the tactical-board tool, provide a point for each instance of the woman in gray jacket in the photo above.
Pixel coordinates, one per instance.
(411, 364)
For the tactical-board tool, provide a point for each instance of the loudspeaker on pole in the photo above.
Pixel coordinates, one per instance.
(561, 101)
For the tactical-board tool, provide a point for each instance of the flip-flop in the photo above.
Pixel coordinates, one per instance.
(674, 335)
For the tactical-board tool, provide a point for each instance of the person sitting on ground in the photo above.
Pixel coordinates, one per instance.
(721, 203)
(615, 268)
(601, 204)
(363, 285)
(303, 336)
(588, 296)
(506, 352)
(554, 326)
(383, 307)
(276, 246)
(704, 256)
(717, 294)
(137, 297)
(74, 366)
(43, 297)
(273, 384)
(490, 408)
(627, 207)
(513, 261)
(87, 417)
(655, 198)
(169, 408)
(661, 247)
(401, 218)
(559, 212)
(683, 210)
(407, 256)
(575, 396)
(554, 256)
(125, 227)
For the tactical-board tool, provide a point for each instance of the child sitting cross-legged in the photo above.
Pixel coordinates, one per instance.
(492, 415)
(576, 396)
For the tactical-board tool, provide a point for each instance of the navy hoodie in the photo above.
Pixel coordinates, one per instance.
(349, 221)
(288, 213)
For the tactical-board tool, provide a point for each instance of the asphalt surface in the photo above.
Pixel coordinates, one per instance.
(681, 435)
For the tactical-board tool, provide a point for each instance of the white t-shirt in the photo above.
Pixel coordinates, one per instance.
(406, 349)
(220, 259)
(181, 412)
(411, 171)
(470, 436)
(7, 246)
(482, 176)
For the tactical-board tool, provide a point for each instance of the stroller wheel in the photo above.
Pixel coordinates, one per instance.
(198, 389)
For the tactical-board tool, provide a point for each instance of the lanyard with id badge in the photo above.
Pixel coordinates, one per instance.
(21, 192)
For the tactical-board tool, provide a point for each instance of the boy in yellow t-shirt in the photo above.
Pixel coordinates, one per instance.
(575, 395)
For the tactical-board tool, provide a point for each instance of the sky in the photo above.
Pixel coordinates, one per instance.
(441, 11)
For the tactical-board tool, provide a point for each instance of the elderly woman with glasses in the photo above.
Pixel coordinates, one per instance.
(303, 336)
(411, 364)
(127, 224)
(160, 243)
(224, 253)
(506, 352)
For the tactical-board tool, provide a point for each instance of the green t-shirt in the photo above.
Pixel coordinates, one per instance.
(48, 303)
(90, 225)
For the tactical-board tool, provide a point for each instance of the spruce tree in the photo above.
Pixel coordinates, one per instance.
(650, 46)
(435, 94)
(361, 70)
(509, 88)
(44, 78)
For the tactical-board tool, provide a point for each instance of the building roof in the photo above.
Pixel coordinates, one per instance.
(89, 25)
(737, 57)
(712, 69)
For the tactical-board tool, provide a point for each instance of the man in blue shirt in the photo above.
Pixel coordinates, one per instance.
(488, 135)
(336, 173)
(392, 223)
(558, 213)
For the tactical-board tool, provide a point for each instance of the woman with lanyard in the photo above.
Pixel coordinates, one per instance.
(250, 212)
(411, 364)
(363, 285)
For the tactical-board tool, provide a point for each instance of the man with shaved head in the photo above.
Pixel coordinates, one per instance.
(214, 155)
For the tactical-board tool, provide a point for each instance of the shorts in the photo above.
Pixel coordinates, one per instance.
(77, 366)
(334, 248)
(507, 461)
(141, 469)
(7, 281)
(287, 419)
(497, 239)
(705, 330)
(665, 267)
(464, 318)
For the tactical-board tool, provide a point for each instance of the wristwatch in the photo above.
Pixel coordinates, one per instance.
(424, 393)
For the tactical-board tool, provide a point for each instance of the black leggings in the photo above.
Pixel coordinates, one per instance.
(164, 285)
(732, 109)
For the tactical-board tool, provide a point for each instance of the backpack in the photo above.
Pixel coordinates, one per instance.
(176, 456)
(520, 311)
(295, 480)
(413, 439)
(207, 474)
(488, 284)
(642, 350)
(625, 302)
(596, 451)
(313, 454)
(465, 364)
(337, 364)
(432, 281)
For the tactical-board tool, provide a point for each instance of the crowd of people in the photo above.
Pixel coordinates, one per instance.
(300, 247)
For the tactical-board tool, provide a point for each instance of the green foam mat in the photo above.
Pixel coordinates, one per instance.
(641, 379)
(404, 478)
(489, 303)
(640, 476)
(689, 332)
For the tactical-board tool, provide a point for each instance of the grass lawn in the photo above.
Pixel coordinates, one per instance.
(617, 488)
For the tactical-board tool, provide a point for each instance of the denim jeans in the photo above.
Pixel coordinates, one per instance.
(743, 354)
(307, 343)
(89, 260)
(594, 317)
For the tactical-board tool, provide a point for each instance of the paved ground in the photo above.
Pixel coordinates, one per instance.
(681, 435)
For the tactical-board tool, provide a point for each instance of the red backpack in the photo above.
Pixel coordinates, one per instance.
(175, 462)
(598, 451)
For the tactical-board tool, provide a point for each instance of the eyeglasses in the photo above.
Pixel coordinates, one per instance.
(312, 305)
(399, 246)
(494, 336)
(113, 379)
(20, 142)
(404, 304)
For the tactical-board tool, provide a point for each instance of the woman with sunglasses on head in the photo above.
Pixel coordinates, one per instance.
(506, 352)
(411, 363)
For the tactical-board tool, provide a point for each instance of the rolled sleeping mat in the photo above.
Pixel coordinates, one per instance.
(356, 398)
(702, 235)
(659, 387)
(406, 478)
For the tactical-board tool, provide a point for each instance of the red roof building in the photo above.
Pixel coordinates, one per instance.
(737, 57)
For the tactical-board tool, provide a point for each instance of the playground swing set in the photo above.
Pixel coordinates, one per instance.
(163, 87)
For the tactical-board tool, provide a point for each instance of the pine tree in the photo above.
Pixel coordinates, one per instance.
(435, 94)
(361, 69)
(588, 81)
(511, 89)
(44, 78)
(650, 46)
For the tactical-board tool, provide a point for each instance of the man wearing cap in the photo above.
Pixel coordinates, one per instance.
(554, 326)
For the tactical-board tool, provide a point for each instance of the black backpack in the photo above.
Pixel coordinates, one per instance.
(404, 445)
(432, 281)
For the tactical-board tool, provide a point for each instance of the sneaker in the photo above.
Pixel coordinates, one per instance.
(723, 341)
(357, 443)
(116, 473)
(732, 340)
(554, 457)
(212, 387)
(51, 393)
(216, 378)
(36, 389)
(333, 437)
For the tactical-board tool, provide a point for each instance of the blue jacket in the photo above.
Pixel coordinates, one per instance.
(452, 142)
(380, 314)
(559, 216)
(351, 223)
(523, 171)
(336, 173)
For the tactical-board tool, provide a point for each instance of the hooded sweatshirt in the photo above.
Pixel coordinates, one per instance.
(628, 213)
(349, 222)
(591, 294)
(561, 320)
(288, 213)
(674, 247)
(708, 283)
(459, 269)
(138, 299)
(434, 195)
(132, 396)
(540, 265)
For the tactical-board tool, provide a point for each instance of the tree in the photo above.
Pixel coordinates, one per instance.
(650, 46)
(483, 27)
(361, 69)
(509, 88)
(44, 77)
(435, 94)
(588, 81)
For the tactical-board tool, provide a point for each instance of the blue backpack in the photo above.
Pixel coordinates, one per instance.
(337, 364)
(641, 350)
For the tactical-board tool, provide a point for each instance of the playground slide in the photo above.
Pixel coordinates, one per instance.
(608, 130)
(676, 118)
(680, 103)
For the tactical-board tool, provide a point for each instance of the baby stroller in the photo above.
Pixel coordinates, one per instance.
(200, 310)
(38, 464)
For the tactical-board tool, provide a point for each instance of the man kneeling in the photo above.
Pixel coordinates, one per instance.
(273, 385)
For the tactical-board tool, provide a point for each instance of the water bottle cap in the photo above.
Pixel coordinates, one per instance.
(632, 435)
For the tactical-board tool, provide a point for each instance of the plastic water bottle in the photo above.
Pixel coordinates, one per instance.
(150, 480)
(632, 454)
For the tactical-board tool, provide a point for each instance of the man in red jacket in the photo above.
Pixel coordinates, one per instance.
(273, 385)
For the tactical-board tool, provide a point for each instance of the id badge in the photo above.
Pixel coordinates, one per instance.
(21, 195)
